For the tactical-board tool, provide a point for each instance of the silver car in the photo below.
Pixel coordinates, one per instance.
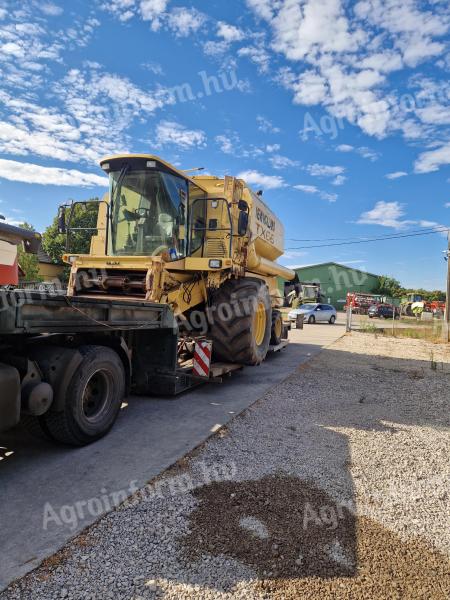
(314, 313)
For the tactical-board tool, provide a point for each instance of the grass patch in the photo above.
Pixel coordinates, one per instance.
(429, 334)
(369, 328)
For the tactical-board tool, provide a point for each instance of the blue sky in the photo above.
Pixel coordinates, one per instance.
(339, 110)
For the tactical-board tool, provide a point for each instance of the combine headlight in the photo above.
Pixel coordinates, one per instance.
(215, 264)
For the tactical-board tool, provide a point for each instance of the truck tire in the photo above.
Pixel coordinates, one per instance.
(36, 427)
(277, 328)
(241, 321)
(94, 397)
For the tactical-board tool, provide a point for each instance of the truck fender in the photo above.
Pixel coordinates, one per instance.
(125, 354)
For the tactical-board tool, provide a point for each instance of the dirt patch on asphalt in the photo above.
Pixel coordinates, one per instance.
(302, 543)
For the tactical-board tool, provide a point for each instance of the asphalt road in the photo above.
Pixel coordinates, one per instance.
(38, 479)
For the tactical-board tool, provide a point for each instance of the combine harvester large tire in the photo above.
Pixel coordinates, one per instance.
(242, 321)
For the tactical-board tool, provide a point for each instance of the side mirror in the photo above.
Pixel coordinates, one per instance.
(242, 205)
(243, 223)
(32, 244)
(62, 227)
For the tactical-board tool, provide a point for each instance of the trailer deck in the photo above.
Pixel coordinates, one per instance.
(22, 311)
(65, 362)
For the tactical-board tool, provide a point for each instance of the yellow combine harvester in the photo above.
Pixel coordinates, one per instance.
(204, 245)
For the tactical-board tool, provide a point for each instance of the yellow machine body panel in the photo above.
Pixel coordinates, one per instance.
(267, 231)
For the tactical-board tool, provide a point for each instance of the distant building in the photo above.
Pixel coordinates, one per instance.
(336, 280)
(48, 269)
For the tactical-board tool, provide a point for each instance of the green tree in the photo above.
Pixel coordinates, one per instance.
(388, 286)
(29, 263)
(83, 216)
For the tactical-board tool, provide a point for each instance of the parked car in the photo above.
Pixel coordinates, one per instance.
(385, 311)
(314, 313)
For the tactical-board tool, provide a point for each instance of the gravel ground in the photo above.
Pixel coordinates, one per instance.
(334, 485)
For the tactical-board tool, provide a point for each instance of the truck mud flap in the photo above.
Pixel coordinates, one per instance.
(9, 397)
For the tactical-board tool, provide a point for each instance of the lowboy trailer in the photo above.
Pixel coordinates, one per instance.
(66, 364)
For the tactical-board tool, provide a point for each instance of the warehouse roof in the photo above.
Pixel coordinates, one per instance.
(343, 266)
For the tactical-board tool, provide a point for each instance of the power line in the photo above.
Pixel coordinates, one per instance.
(365, 241)
(436, 228)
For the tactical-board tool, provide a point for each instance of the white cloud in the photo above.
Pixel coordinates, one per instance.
(302, 30)
(185, 21)
(282, 162)
(363, 151)
(339, 180)
(342, 53)
(152, 10)
(447, 205)
(396, 175)
(317, 170)
(257, 55)
(31, 173)
(442, 229)
(368, 153)
(181, 20)
(412, 28)
(230, 143)
(213, 48)
(308, 189)
(227, 143)
(172, 133)
(29, 45)
(50, 9)
(331, 197)
(387, 214)
(432, 160)
(385, 61)
(345, 148)
(124, 10)
(229, 33)
(269, 182)
(95, 111)
(310, 88)
(266, 126)
(264, 8)
(153, 67)
(312, 189)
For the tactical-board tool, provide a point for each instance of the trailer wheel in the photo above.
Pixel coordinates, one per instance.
(277, 328)
(94, 396)
(241, 321)
(36, 427)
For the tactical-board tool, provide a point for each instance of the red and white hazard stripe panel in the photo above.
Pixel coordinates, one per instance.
(202, 358)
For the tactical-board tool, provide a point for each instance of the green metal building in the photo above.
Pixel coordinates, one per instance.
(336, 280)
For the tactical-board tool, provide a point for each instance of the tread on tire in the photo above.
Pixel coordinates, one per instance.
(233, 321)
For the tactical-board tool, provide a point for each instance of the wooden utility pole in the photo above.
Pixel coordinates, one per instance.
(446, 328)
